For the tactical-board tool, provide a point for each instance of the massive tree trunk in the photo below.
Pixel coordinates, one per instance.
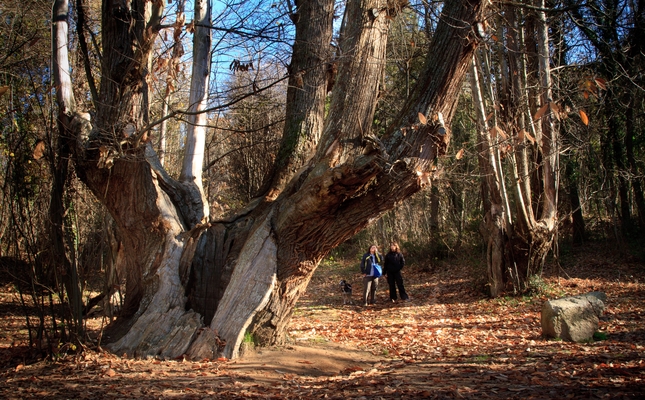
(196, 288)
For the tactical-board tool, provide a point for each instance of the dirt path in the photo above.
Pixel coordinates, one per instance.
(322, 360)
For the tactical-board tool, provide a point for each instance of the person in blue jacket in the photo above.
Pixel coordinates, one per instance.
(394, 263)
(370, 282)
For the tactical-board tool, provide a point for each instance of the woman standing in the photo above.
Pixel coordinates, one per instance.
(394, 263)
(370, 282)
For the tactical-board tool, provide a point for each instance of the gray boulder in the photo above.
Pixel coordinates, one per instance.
(573, 318)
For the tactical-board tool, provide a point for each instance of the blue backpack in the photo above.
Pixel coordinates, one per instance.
(376, 271)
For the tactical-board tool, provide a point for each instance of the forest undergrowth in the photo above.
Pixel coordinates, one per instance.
(449, 341)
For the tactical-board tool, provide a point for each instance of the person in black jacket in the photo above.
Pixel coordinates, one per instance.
(394, 263)
(370, 282)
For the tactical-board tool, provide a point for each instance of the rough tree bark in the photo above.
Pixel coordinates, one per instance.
(313, 71)
(245, 273)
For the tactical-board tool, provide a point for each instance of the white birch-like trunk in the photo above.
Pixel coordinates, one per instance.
(60, 59)
(549, 142)
(191, 171)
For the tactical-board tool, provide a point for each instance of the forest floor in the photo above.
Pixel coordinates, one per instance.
(449, 341)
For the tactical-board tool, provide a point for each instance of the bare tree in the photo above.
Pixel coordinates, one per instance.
(520, 198)
(244, 274)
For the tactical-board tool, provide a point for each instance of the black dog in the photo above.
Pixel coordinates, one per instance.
(346, 290)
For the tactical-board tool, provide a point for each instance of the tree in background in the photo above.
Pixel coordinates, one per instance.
(517, 124)
(615, 32)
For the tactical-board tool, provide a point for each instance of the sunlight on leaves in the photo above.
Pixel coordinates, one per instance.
(540, 113)
(496, 131)
(39, 150)
(602, 84)
(423, 178)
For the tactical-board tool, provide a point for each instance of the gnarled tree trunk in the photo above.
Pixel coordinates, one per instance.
(197, 287)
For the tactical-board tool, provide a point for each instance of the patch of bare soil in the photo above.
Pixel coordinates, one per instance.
(450, 341)
(270, 364)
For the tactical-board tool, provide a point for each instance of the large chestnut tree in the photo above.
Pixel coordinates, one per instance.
(196, 285)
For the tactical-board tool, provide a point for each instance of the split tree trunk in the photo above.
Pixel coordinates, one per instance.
(245, 274)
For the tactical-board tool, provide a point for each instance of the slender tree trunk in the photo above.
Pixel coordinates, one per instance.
(191, 171)
(537, 220)
(576, 207)
(494, 223)
(171, 78)
(434, 212)
(60, 173)
(630, 132)
(615, 129)
(518, 238)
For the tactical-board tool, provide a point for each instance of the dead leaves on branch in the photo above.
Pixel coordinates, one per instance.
(496, 132)
(558, 112)
(39, 150)
(523, 134)
(591, 87)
